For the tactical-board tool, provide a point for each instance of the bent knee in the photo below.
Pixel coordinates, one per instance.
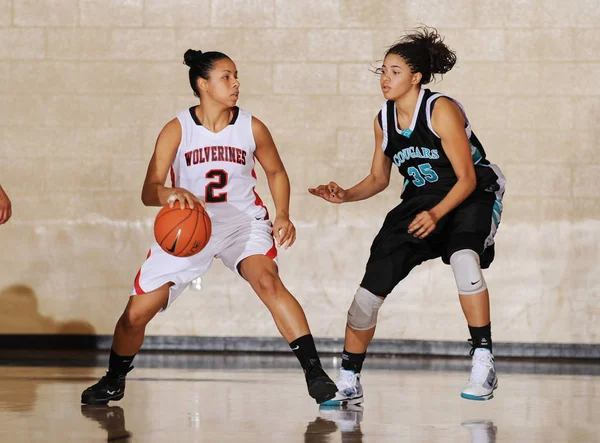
(268, 284)
(467, 272)
(363, 311)
(134, 318)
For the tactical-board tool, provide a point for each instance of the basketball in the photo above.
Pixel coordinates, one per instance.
(182, 232)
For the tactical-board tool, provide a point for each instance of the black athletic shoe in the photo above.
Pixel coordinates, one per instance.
(107, 389)
(320, 386)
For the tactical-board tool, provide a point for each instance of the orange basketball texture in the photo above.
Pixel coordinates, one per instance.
(182, 232)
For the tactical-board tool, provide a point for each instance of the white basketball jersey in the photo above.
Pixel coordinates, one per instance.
(219, 168)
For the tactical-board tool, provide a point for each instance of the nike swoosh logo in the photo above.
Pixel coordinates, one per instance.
(112, 392)
(296, 348)
(475, 282)
(172, 248)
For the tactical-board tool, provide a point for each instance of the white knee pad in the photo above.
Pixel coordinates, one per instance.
(362, 314)
(467, 272)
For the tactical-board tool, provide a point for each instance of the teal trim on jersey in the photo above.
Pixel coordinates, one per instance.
(498, 206)
(496, 219)
(497, 212)
(406, 133)
(406, 182)
(475, 154)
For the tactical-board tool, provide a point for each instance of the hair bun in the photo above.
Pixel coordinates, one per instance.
(191, 57)
(441, 57)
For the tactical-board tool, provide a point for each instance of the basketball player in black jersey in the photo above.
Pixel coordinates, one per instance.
(451, 206)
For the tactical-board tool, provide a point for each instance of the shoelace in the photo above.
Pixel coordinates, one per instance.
(473, 347)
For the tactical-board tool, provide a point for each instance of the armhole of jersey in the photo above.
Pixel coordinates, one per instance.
(174, 169)
(250, 118)
(183, 134)
(429, 110)
(382, 117)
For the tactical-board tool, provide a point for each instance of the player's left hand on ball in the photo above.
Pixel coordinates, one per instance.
(183, 196)
(284, 231)
(423, 224)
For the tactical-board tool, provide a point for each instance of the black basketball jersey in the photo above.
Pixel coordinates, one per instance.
(418, 153)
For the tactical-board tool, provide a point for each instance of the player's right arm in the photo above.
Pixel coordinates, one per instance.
(374, 183)
(154, 191)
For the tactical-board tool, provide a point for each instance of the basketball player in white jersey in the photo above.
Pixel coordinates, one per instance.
(209, 152)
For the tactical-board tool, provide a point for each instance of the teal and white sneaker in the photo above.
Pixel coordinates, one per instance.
(483, 379)
(349, 392)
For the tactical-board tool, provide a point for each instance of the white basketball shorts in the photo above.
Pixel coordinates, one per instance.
(232, 243)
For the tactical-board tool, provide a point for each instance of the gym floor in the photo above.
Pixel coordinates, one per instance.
(188, 397)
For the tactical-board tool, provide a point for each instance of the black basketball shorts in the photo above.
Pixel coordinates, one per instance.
(395, 252)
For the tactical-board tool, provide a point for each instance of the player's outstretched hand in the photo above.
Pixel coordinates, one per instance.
(184, 196)
(331, 192)
(423, 224)
(284, 231)
(5, 207)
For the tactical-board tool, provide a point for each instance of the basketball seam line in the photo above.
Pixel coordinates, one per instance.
(163, 239)
(205, 217)
(193, 232)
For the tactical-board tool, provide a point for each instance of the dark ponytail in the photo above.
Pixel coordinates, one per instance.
(424, 51)
(200, 65)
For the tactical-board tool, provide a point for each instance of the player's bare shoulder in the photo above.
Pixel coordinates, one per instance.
(258, 127)
(171, 133)
(262, 135)
(446, 110)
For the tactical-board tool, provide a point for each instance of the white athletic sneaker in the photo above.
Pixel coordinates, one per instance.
(483, 379)
(482, 431)
(349, 390)
(347, 418)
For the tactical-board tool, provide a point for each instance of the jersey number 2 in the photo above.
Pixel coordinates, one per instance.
(222, 178)
(424, 173)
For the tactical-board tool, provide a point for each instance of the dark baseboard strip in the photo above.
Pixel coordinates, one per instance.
(277, 345)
